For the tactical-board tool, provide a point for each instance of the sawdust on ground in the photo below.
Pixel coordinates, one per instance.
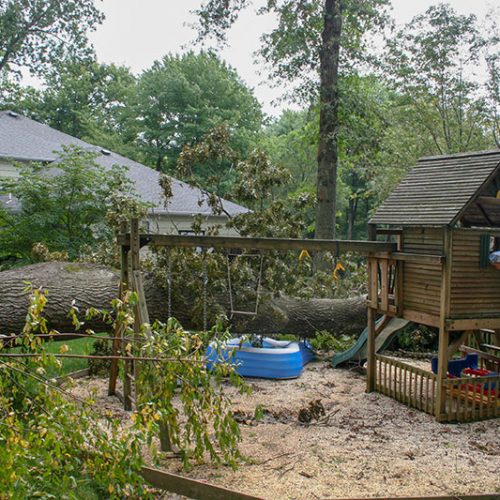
(366, 445)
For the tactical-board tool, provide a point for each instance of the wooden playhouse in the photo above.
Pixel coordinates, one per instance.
(445, 219)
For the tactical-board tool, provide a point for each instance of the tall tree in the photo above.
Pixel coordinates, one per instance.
(433, 62)
(493, 86)
(82, 98)
(36, 33)
(305, 47)
(182, 98)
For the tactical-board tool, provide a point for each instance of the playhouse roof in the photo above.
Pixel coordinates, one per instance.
(442, 190)
(24, 139)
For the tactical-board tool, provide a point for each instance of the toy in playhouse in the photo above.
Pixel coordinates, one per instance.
(467, 367)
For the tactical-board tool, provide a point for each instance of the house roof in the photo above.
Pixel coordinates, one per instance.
(24, 139)
(443, 190)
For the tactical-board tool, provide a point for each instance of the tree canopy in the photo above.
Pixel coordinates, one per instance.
(182, 97)
(36, 33)
(313, 41)
(433, 62)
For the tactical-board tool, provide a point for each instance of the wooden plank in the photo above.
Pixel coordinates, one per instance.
(488, 201)
(384, 284)
(421, 318)
(444, 333)
(73, 375)
(191, 488)
(399, 292)
(472, 323)
(336, 247)
(373, 282)
(489, 357)
(371, 373)
(421, 303)
(418, 257)
(142, 307)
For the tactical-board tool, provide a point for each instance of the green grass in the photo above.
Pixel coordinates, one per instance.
(77, 346)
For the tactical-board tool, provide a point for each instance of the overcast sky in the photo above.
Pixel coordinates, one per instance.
(136, 33)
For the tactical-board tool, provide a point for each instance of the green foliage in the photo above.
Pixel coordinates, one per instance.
(417, 338)
(432, 62)
(65, 205)
(53, 446)
(37, 33)
(209, 426)
(292, 50)
(181, 98)
(101, 347)
(56, 445)
(326, 342)
(82, 98)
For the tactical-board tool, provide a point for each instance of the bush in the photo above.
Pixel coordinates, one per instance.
(53, 444)
(326, 341)
(101, 347)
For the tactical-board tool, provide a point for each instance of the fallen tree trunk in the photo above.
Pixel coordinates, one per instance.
(90, 285)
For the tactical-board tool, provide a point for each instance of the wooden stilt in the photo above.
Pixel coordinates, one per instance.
(444, 333)
(444, 336)
(131, 368)
(113, 373)
(373, 302)
(371, 374)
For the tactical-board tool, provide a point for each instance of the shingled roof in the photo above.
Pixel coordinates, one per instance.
(24, 139)
(443, 190)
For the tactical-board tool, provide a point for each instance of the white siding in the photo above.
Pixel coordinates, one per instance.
(173, 224)
(8, 170)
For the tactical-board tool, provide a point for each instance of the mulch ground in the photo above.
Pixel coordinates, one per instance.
(360, 445)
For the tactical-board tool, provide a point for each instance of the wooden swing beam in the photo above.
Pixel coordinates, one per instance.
(336, 247)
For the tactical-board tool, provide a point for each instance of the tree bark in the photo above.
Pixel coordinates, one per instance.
(90, 285)
(328, 121)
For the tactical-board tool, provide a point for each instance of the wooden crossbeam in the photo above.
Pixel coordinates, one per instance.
(336, 247)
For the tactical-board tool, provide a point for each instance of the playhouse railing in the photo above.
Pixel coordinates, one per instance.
(406, 383)
(385, 273)
(471, 398)
(385, 284)
(466, 398)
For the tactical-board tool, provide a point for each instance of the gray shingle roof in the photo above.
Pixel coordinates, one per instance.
(438, 190)
(24, 139)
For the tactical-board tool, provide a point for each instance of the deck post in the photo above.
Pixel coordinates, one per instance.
(371, 371)
(444, 332)
(372, 298)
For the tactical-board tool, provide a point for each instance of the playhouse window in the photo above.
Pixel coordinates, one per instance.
(489, 251)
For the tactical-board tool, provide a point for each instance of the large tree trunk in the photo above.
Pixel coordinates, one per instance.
(328, 121)
(90, 285)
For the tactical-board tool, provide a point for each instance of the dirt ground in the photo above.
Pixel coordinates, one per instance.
(366, 445)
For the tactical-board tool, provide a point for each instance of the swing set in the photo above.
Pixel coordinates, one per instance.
(130, 242)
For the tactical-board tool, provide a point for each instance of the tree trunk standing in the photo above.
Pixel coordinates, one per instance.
(90, 285)
(328, 121)
(351, 216)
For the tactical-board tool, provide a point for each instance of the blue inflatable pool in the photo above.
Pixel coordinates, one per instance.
(276, 359)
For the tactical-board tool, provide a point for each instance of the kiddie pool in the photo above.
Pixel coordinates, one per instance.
(276, 359)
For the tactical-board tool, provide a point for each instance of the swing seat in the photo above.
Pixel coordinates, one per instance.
(274, 360)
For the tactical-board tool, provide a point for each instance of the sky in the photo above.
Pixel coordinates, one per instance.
(136, 33)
